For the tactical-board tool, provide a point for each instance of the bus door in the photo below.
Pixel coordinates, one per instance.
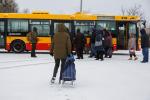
(2, 35)
(122, 37)
(132, 29)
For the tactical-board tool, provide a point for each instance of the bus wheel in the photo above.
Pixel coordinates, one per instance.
(18, 46)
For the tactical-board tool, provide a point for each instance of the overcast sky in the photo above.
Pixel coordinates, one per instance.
(93, 6)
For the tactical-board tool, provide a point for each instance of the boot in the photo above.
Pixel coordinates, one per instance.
(97, 59)
(135, 58)
(53, 79)
(102, 59)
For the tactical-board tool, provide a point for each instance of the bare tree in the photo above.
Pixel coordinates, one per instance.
(136, 10)
(123, 10)
(8, 6)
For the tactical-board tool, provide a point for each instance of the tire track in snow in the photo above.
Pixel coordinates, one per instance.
(23, 65)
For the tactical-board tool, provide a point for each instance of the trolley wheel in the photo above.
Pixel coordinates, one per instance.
(18, 46)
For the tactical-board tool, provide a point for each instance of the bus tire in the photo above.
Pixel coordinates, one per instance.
(18, 46)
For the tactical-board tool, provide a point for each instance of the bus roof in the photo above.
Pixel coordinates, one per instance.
(127, 18)
(76, 16)
(118, 18)
(82, 16)
(34, 15)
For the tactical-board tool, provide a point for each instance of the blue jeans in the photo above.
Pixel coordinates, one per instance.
(145, 52)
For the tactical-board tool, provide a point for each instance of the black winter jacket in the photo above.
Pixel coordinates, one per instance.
(93, 38)
(144, 39)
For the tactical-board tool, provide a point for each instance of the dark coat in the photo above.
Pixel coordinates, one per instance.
(99, 42)
(61, 44)
(144, 39)
(93, 38)
(79, 41)
(108, 40)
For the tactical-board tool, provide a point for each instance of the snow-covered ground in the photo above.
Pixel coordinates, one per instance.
(25, 78)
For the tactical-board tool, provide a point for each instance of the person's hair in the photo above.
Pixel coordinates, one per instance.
(34, 29)
(104, 29)
(78, 30)
(93, 30)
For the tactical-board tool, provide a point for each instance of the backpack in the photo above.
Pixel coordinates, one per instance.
(32, 37)
(98, 40)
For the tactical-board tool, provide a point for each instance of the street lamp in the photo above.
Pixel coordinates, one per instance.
(81, 3)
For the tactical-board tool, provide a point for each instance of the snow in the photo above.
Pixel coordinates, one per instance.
(26, 78)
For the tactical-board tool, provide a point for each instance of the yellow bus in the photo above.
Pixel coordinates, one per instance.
(120, 27)
(15, 26)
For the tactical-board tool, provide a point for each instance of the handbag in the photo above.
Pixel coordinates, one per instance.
(98, 43)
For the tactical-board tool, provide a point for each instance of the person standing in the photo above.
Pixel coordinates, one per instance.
(99, 45)
(132, 46)
(145, 46)
(92, 41)
(108, 43)
(32, 38)
(61, 48)
(79, 44)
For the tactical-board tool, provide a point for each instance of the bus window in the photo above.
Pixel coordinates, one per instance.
(132, 28)
(1, 33)
(17, 26)
(67, 25)
(84, 26)
(108, 25)
(43, 27)
(1, 26)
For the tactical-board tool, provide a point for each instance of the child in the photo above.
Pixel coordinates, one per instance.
(132, 46)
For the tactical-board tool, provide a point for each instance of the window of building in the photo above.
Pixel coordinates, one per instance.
(1, 26)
